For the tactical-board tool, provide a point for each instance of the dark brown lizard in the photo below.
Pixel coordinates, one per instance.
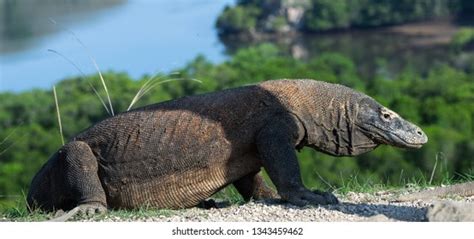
(178, 153)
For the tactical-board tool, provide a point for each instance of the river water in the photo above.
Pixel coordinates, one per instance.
(136, 36)
(144, 37)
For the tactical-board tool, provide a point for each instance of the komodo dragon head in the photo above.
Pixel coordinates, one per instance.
(384, 126)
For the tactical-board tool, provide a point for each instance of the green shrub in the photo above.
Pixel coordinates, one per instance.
(237, 19)
(463, 38)
(440, 102)
(328, 15)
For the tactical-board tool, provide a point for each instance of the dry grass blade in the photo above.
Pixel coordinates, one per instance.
(5, 139)
(326, 182)
(104, 85)
(10, 134)
(169, 80)
(400, 177)
(58, 114)
(434, 169)
(20, 138)
(100, 98)
(83, 76)
(139, 94)
(7, 148)
(111, 111)
(96, 67)
(145, 88)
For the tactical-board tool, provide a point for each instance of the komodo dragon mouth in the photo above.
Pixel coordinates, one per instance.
(401, 138)
(407, 135)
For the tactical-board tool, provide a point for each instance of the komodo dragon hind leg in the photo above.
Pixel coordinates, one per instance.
(79, 167)
(253, 186)
(208, 204)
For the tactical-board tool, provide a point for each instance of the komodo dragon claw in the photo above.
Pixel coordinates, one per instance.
(328, 196)
(83, 209)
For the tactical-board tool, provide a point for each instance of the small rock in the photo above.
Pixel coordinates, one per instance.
(449, 211)
(379, 218)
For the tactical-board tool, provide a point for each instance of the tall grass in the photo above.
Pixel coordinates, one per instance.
(83, 77)
(150, 84)
(145, 88)
(8, 137)
(58, 115)
(110, 109)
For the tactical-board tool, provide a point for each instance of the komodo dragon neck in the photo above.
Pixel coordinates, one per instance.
(327, 113)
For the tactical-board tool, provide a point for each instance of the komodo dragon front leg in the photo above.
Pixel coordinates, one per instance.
(276, 144)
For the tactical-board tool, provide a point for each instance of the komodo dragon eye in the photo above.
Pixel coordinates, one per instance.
(387, 115)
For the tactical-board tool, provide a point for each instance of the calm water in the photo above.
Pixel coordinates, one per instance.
(381, 51)
(136, 36)
(144, 36)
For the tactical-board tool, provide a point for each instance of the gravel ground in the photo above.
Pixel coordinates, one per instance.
(353, 207)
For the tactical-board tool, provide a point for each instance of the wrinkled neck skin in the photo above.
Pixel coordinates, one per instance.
(328, 115)
(335, 132)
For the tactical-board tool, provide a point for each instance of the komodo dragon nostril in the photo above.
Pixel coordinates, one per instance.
(419, 133)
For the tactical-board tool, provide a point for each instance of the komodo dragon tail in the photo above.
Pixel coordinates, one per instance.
(462, 189)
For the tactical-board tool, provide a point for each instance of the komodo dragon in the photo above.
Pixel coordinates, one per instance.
(176, 154)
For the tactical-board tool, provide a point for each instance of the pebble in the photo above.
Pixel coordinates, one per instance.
(353, 207)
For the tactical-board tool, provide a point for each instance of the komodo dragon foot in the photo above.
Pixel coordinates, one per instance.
(306, 197)
(88, 209)
(208, 204)
(330, 198)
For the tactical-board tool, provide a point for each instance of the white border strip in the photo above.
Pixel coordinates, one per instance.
(132, 230)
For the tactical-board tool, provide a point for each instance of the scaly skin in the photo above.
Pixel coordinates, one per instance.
(177, 153)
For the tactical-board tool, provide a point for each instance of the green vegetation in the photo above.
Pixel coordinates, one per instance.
(463, 38)
(372, 13)
(327, 15)
(441, 102)
(323, 15)
(238, 19)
